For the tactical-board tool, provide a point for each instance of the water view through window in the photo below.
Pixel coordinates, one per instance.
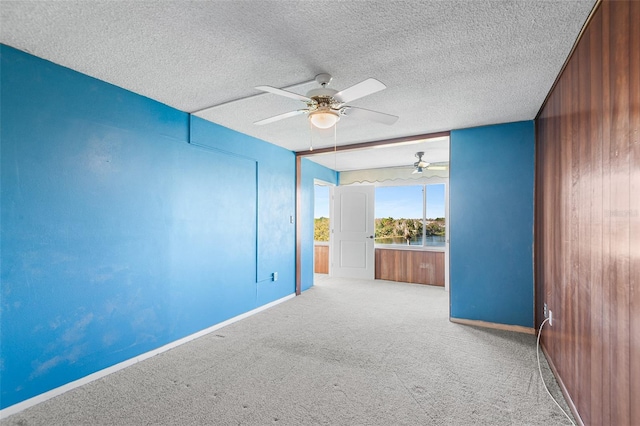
(410, 215)
(405, 215)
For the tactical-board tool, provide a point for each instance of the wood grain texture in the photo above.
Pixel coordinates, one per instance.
(594, 414)
(410, 266)
(620, 200)
(588, 219)
(634, 209)
(321, 259)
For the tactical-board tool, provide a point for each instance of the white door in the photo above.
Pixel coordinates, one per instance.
(352, 233)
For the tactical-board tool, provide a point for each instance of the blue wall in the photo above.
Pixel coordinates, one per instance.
(491, 223)
(310, 171)
(119, 236)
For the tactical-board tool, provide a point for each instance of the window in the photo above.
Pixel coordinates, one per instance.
(435, 223)
(410, 215)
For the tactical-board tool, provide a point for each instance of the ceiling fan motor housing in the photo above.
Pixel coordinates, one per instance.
(420, 164)
(324, 109)
(321, 92)
(323, 79)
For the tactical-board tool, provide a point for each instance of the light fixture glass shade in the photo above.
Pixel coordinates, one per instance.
(324, 119)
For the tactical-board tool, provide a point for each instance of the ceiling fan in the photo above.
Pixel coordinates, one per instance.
(421, 165)
(326, 106)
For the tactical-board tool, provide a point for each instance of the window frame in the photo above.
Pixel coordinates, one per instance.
(423, 183)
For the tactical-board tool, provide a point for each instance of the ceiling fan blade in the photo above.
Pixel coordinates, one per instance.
(280, 117)
(367, 114)
(443, 165)
(281, 92)
(360, 90)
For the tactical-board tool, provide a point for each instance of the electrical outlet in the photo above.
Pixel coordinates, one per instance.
(550, 318)
(274, 277)
(546, 311)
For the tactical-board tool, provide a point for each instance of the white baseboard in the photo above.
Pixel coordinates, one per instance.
(16, 408)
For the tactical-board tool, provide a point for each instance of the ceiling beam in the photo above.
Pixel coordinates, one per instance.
(372, 144)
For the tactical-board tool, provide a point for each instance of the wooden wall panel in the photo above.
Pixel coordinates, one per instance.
(620, 256)
(588, 219)
(595, 414)
(321, 259)
(410, 266)
(634, 208)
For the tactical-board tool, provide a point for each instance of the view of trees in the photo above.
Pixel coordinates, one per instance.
(390, 227)
(435, 226)
(408, 228)
(321, 230)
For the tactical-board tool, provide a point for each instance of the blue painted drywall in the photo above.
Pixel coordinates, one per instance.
(491, 223)
(310, 171)
(275, 198)
(119, 236)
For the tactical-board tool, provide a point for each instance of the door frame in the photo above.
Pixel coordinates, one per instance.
(349, 147)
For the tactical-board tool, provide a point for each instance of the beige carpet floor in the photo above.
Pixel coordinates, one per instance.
(346, 352)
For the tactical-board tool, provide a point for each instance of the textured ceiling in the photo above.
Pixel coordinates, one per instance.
(447, 64)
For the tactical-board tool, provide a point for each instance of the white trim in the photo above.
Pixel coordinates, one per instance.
(20, 406)
(390, 176)
(446, 235)
(439, 249)
(398, 182)
(319, 182)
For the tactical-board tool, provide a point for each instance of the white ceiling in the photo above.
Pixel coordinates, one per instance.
(436, 150)
(447, 64)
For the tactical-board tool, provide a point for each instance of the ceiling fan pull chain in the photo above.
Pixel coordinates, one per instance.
(335, 147)
(310, 136)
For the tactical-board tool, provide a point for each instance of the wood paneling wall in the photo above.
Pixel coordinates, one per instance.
(321, 259)
(588, 219)
(410, 266)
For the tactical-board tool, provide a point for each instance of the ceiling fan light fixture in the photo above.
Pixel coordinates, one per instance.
(324, 119)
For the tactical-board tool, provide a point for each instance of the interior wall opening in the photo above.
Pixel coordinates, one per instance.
(408, 237)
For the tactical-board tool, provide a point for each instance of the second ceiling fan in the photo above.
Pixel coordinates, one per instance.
(421, 165)
(326, 106)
